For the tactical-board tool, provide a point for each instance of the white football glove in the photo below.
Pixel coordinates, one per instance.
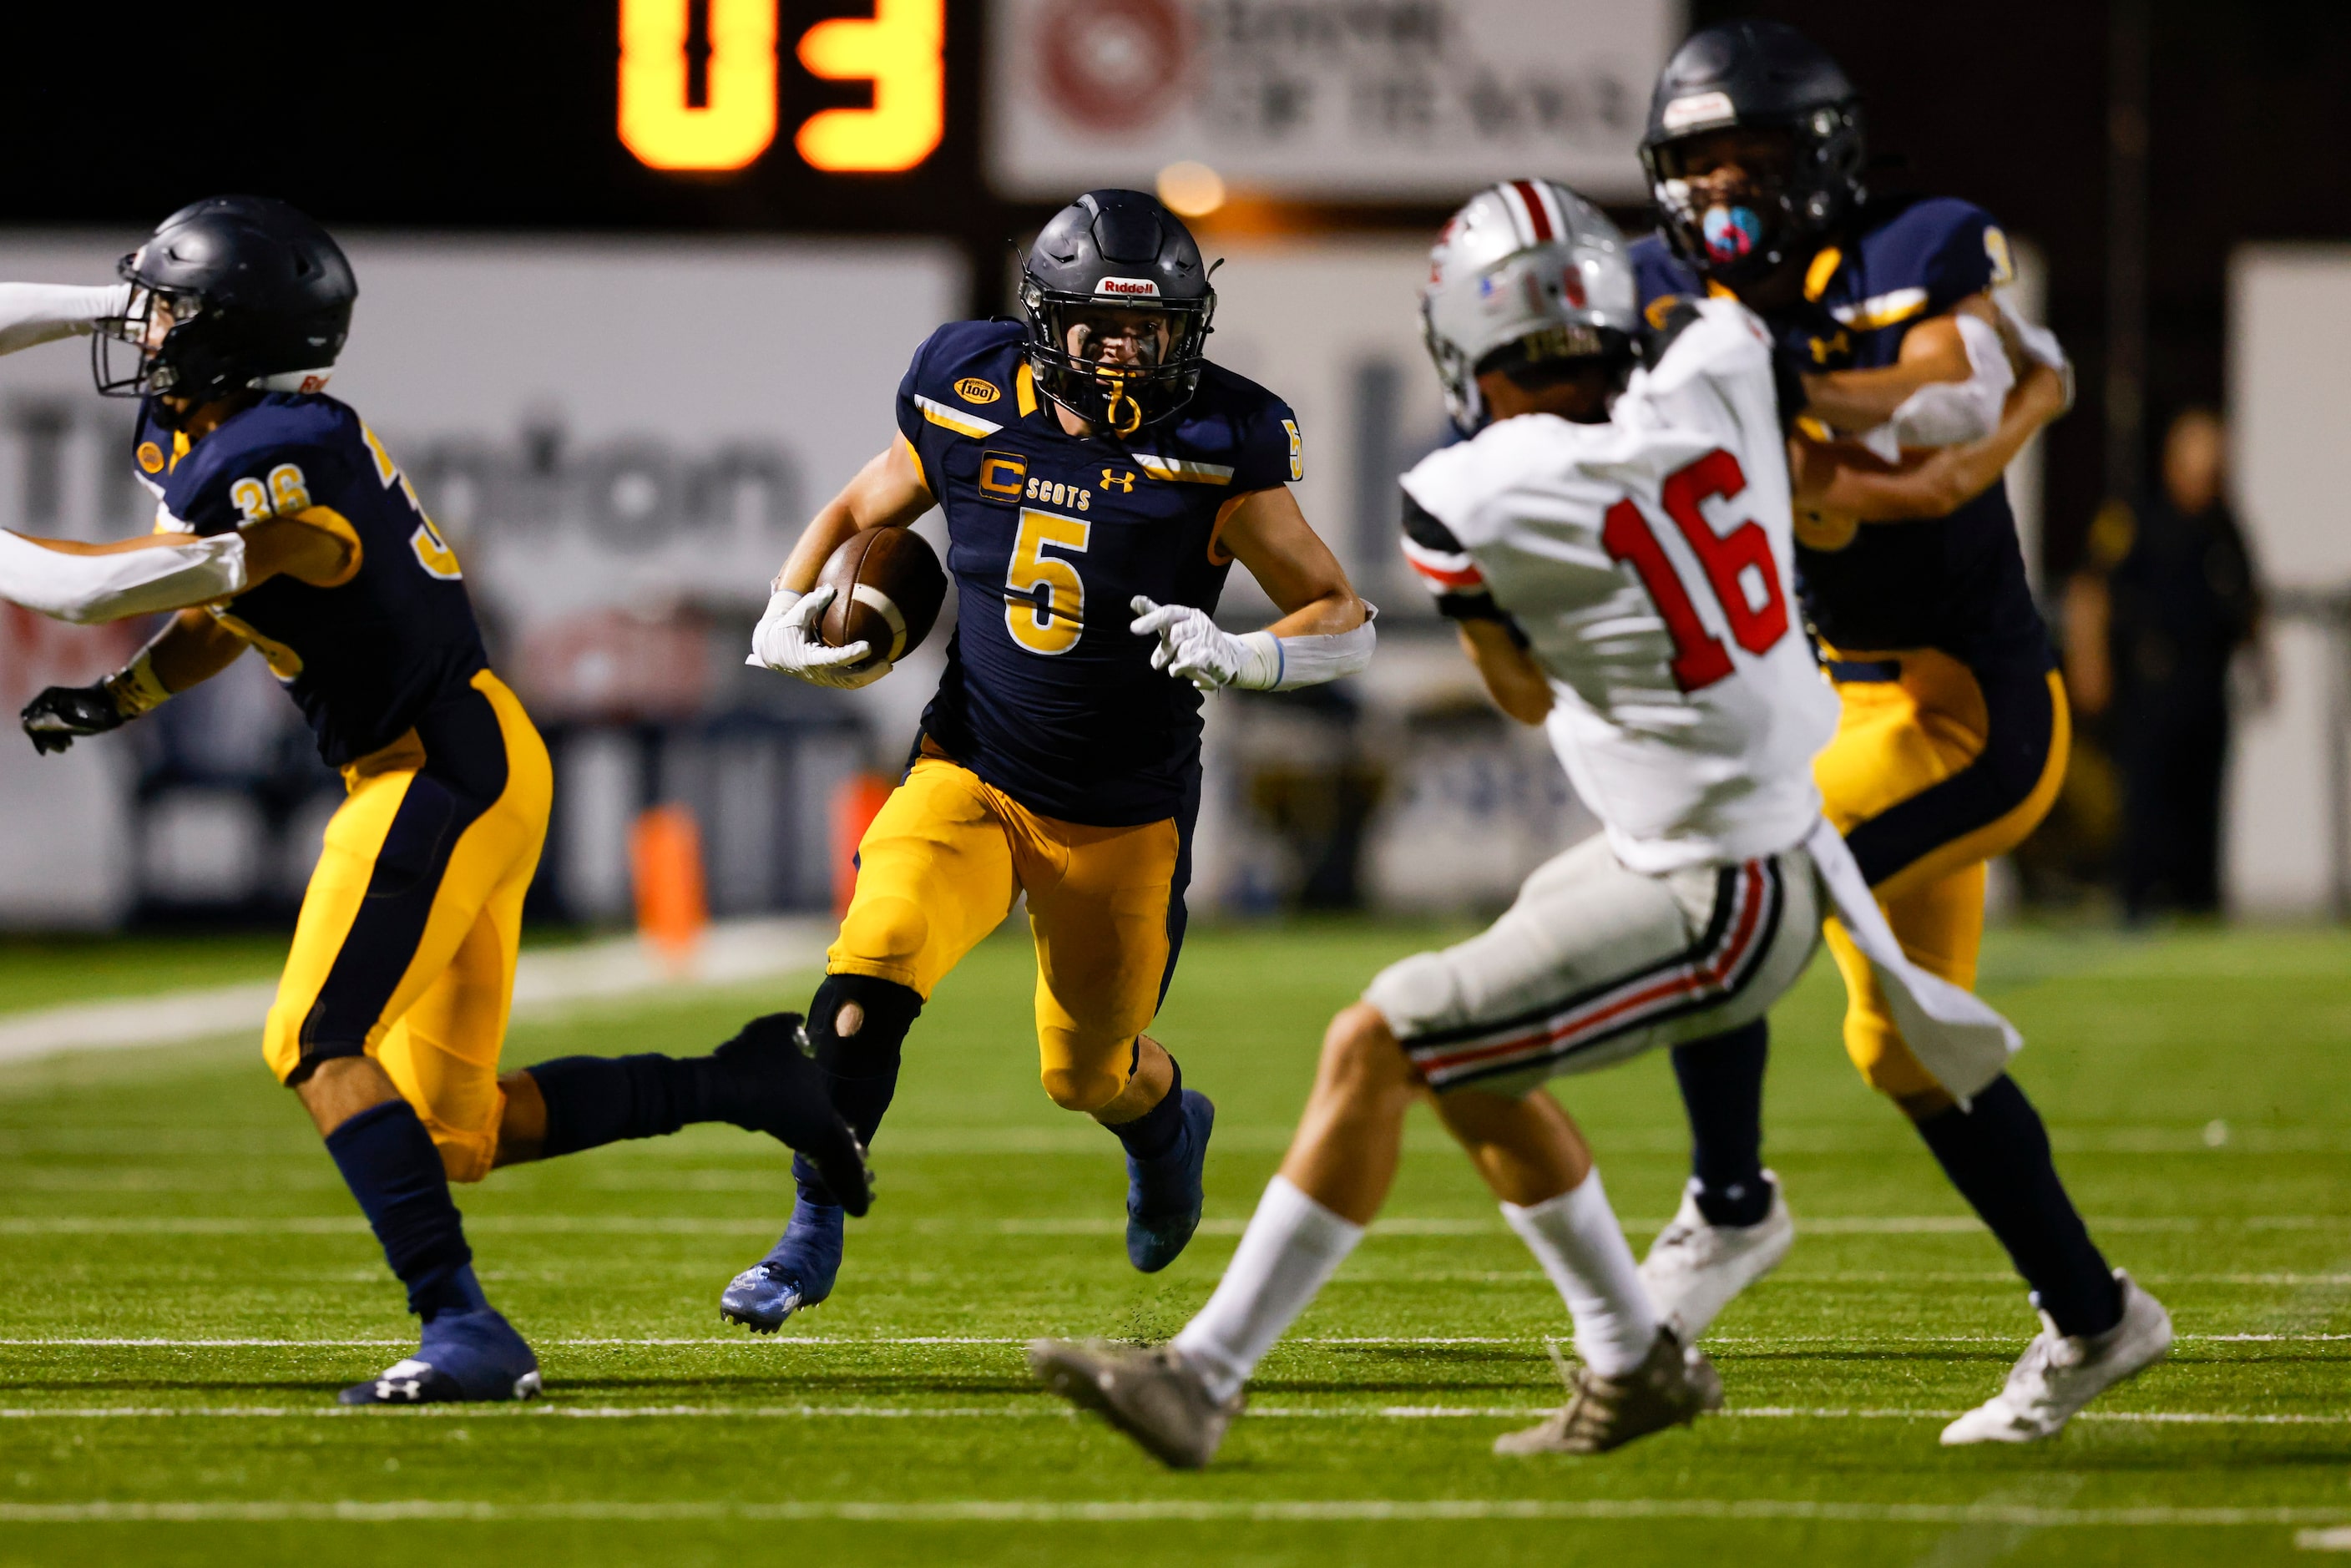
(787, 640)
(1193, 648)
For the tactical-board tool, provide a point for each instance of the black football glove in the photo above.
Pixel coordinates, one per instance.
(775, 1087)
(61, 713)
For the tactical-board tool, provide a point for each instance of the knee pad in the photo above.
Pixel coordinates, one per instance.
(1884, 1062)
(883, 1011)
(1075, 1087)
(886, 930)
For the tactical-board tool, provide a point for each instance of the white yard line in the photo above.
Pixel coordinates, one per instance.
(549, 981)
(1072, 1225)
(769, 1345)
(1046, 1512)
(1039, 1406)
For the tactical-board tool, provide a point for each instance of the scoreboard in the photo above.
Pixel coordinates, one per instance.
(707, 96)
(746, 116)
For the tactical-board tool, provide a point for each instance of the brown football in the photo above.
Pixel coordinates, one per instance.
(888, 588)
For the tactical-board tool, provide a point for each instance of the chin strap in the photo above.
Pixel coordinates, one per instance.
(1117, 385)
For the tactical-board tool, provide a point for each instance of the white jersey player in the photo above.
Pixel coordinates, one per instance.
(1616, 544)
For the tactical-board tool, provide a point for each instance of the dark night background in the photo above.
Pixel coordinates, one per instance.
(500, 116)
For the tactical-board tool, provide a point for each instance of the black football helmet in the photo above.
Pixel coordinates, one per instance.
(1119, 250)
(258, 295)
(1763, 76)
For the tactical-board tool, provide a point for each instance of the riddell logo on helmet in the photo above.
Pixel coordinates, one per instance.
(1698, 109)
(1133, 287)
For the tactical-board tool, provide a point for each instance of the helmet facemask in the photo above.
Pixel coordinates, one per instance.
(131, 354)
(1790, 197)
(1116, 381)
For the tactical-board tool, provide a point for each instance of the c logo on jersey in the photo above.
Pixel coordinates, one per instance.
(1825, 349)
(971, 388)
(1297, 451)
(1123, 481)
(1003, 474)
(150, 457)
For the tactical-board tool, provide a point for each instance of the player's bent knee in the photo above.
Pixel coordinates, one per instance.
(1361, 1054)
(885, 928)
(1886, 1065)
(1081, 1088)
(465, 1157)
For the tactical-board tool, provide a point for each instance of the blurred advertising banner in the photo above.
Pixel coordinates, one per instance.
(2288, 838)
(621, 439)
(1384, 100)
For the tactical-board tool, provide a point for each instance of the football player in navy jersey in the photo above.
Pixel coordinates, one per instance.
(283, 525)
(1903, 367)
(1100, 477)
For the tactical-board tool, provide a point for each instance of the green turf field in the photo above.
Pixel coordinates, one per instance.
(183, 1283)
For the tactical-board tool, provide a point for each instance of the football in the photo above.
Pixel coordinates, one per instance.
(890, 586)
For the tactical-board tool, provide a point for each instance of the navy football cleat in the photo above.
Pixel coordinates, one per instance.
(1163, 1196)
(798, 1274)
(465, 1357)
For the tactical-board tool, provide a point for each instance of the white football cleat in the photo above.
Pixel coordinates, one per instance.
(2057, 1374)
(1695, 1267)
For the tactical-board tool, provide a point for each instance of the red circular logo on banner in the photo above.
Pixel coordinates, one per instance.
(1113, 65)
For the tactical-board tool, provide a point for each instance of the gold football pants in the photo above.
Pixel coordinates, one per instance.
(939, 869)
(405, 947)
(1936, 767)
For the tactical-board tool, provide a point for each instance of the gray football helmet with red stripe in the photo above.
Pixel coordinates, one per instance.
(1527, 271)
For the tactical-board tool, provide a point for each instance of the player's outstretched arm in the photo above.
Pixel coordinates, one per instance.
(1324, 632)
(33, 313)
(1841, 478)
(889, 492)
(88, 583)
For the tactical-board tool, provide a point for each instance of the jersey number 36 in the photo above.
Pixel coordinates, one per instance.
(1700, 657)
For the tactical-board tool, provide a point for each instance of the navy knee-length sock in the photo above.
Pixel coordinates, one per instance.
(592, 1100)
(389, 1162)
(1997, 1153)
(1721, 1080)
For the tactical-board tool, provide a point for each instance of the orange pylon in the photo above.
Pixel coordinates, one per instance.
(665, 859)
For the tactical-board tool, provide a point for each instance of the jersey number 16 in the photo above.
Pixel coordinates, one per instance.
(1700, 657)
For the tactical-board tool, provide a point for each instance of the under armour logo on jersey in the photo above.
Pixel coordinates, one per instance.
(1122, 481)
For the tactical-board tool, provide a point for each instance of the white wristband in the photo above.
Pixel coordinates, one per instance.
(1285, 664)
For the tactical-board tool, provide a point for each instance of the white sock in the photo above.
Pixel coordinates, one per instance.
(1292, 1247)
(1577, 1240)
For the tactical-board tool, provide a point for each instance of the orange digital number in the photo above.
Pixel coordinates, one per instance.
(737, 121)
(900, 51)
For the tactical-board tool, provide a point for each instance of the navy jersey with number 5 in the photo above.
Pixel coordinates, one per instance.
(365, 655)
(1047, 694)
(1955, 583)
